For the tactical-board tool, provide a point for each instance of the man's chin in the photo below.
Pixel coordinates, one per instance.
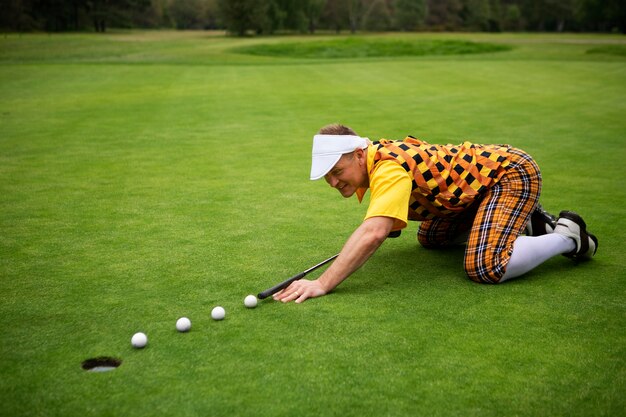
(347, 192)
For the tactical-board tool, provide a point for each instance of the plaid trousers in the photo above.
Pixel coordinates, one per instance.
(493, 222)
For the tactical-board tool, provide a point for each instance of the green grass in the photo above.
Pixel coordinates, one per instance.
(619, 50)
(149, 175)
(359, 47)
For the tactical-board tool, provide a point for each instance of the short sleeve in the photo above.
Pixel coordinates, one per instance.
(390, 191)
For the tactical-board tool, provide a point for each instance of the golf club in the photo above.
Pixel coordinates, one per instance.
(286, 283)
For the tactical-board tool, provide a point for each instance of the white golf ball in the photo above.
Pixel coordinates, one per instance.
(183, 324)
(139, 340)
(218, 313)
(250, 301)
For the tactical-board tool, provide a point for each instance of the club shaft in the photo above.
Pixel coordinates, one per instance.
(324, 262)
(288, 282)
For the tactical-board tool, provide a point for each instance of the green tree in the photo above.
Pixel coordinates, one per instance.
(544, 15)
(341, 13)
(189, 14)
(444, 14)
(242, 15)
(312, 11)
(616, 15)
(512, 17)
(16, 15)
(335, 14)
(602, 15)
(495, 20)
(476, 14)
(55, 15)
(275, 16)
(155, 15)
(105, 13)
(410, 14)
(377, 16)
(355, 14)
(295, 18)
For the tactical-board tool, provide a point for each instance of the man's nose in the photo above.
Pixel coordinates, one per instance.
(332, 181)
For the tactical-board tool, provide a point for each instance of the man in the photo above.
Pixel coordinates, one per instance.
(485, 196)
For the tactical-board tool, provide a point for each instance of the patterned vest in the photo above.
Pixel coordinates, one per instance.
(446, 178)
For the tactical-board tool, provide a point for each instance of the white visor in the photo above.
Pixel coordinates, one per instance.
(327, 150)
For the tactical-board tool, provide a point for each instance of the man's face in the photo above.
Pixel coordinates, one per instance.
(349, 173)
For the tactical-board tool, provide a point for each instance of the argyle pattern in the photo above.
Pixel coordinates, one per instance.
(446, 178)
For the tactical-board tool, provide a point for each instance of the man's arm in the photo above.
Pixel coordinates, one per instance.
(360, 246)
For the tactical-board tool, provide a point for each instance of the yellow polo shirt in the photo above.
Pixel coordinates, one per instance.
(390, 191)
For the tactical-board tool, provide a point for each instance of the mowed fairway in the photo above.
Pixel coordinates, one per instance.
(146, 176)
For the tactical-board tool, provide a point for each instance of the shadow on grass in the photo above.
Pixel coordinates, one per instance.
(411, 268)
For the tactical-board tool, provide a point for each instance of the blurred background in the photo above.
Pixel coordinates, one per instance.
(248, 17)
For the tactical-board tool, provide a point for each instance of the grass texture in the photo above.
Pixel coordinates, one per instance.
(146, 176)
(355, 47)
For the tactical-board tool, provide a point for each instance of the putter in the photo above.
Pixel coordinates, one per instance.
(286, 283)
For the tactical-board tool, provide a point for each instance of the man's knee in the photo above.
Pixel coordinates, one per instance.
(423, 240)
(431, 238)
(484, 274)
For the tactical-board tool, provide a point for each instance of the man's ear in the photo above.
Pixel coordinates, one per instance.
(361, 156)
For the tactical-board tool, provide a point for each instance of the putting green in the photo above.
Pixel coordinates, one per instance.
(359, 47)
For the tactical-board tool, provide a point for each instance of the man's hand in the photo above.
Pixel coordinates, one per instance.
(357, 250)
(300, 290)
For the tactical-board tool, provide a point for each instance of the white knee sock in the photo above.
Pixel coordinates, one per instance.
(531, 251)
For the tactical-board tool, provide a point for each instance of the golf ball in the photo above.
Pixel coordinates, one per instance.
(139, 340)
(183, 324)
(250, 301)
(218, 313)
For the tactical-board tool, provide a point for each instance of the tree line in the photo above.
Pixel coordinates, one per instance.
(243, 17)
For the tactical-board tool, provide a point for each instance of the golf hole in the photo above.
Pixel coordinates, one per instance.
(101, 364)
